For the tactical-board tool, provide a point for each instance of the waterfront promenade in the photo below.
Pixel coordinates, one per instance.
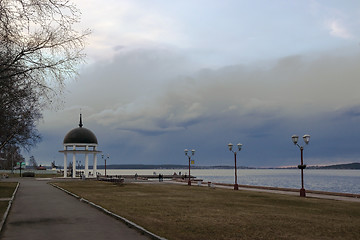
(294, 192)
(41, 211)
(309, 194)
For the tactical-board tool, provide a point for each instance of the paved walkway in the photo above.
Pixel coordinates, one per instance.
(308, 195)
(41, 211)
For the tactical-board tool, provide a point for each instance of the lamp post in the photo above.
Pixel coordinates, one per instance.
(189, 157)
(12, 164)
(20, 167)
(295, 139)
(79, 167)
(107, 157)
(239, 145)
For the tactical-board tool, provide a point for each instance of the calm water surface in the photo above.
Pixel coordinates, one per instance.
(346, 181)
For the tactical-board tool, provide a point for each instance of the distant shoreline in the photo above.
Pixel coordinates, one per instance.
(348, 166)
(355, 166)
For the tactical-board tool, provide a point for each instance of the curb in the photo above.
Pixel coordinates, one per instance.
(8, 208)
(122, 219)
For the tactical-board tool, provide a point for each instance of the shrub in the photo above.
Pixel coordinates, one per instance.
(28, 174)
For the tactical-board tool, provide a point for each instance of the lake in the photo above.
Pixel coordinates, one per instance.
(345, 181)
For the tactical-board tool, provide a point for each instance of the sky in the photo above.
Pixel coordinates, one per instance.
(161, 76)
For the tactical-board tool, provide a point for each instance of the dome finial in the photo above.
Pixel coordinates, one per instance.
(80, 124)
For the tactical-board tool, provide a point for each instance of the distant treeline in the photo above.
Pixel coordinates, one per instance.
(175, 166)
(336, 166)
(164, 166)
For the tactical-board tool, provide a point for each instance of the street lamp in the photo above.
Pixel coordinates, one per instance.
(189, 156)
(79, 167)
(12, 164)
(239, 145)
(107, 157)
(295, 139)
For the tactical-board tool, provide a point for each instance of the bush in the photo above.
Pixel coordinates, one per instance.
(28, 174)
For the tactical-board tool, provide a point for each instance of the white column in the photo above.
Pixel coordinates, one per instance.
(86, 165)
(95, 165)
(86, 173)
(74, 165)
(65, 164)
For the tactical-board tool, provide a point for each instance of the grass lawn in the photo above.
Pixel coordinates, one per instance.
(183, 212)
(6, 191)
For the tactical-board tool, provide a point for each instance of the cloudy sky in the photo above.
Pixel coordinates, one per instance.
(162, 76)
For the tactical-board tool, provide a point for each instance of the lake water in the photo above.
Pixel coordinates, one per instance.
(346, 181)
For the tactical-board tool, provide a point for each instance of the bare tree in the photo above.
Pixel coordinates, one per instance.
(39, 49)
(39, 42)
(19, 112)
(33, 162)
(11, 156)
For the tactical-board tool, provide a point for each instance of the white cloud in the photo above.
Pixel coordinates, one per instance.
(128, 24)
(337, 29)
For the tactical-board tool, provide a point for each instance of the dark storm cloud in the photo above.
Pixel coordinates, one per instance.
(153, 100)
(351, 112)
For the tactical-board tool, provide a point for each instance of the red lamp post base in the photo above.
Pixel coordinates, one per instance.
(236, 187)
(189, 183)
(302, 192)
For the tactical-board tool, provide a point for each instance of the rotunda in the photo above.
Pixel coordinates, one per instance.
(80, 141)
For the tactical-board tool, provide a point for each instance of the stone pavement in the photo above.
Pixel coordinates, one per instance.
(41, 211)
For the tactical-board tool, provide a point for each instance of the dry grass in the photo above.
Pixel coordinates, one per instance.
(6, 191)
(47, 175)
(183, 212)
(3, 207)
